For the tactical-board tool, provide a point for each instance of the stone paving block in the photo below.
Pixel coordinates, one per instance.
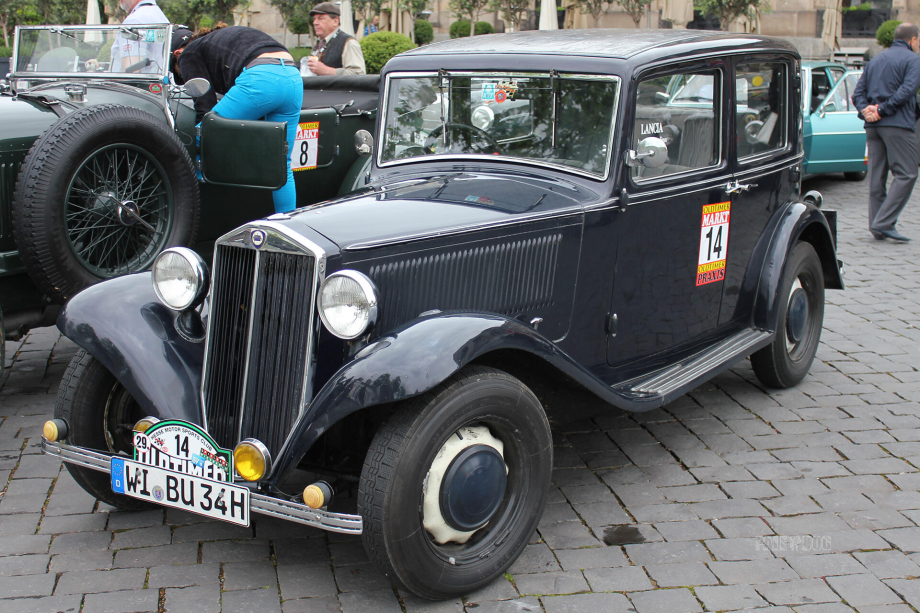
(686, 530)
(662, 512)
(499, 589)
(27, 585)
(559, 582)
(538, 558)
(668, 474)
(96, 581)
(360, 578)
(776, 471)
(35, 564)
(568, 535)
(860, 483)
(678, 575)
(636, 494)
(909, 589)
(330, 604)
(385, 601)
(200, 599)
(905, 539)
(306, 581)
(826, 565)
(667, 553)
(597, 492)
(739, 549)
(262, 600)
(21, 524)
(665, 601)
(752, 572)
(555, 513)
(33, 466)
(876, 519)
(693, 493)
(791, 505)
(888, 564)
(818, 523)
(623, 579)
(863, 590)
(896, 500)
(742, 527)
(233, 551)
(69, 503)
(729, 597)
(598, 514)
(719, 509)
(185, 553)
(23, 544)
(126, 521)
(749, 489)
(249, 576)
(141, 537)
(414, 604)
(594, 557)
(183, 575)
(88, 560)
(804, 591)
(81, 541)
(840, 501)
(588, 603)
(301, 551)
(801, 487)
(58, 604)
(86, 522)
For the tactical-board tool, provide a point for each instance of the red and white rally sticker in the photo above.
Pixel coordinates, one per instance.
(156, 88)
(713, 243)
(306, 147)
(500, 95)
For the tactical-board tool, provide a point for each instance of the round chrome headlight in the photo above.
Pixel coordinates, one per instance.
(180, 278)
(348, 304)
(483, 117)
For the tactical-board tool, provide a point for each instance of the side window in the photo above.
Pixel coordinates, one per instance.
(839, 100)
(683, 111)
(836, 73)
(820, 87)
(761, 113)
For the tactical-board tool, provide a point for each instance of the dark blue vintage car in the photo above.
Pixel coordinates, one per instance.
(589, 230)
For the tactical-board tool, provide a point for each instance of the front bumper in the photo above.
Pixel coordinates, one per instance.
(264, 505)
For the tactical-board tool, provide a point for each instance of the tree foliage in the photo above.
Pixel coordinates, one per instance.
(512, 11)
(634, 8)
(730, 10)
(468, 8)
(379, 47)
(32, 12)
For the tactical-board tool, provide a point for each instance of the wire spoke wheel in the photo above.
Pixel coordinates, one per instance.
(118, 210)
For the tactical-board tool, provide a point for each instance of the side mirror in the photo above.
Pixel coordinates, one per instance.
(364, 143)
(197, 88)
(652, 152)
(829, 107)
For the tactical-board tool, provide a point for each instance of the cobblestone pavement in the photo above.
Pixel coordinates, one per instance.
(732, 497)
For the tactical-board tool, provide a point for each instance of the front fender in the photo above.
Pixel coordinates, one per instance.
(414, 359)
(122, 324)
(798, 221)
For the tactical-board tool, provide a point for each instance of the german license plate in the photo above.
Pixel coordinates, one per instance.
(216, 499)
(177, 464)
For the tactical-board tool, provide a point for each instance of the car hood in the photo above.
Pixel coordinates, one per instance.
(424, 208)
(22, 119)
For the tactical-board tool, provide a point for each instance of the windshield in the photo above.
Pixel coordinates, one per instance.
(99, 51)
(564, 120)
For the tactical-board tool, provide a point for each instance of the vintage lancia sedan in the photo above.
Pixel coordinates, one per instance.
(535, 209)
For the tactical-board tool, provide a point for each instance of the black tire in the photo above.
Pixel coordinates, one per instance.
(788, 358)
(90, 396)
(398, 463)
(85, 209)
(855, 176)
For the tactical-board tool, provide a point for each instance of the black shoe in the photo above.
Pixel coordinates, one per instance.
(893, 235)
(877, 235)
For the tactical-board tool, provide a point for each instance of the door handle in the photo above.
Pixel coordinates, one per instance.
(734, 188)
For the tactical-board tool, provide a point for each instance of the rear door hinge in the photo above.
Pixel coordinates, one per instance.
(610, 325)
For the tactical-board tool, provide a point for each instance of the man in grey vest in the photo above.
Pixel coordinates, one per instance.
(335, 52)
(886, 97)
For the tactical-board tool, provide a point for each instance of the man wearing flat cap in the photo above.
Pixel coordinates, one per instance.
(335, 52)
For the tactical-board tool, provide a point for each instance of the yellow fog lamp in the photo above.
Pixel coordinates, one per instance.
(317, 495)
(145, 424)
(252, 459)
(55, 430)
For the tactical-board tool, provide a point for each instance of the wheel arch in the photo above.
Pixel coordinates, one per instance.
(797, 221)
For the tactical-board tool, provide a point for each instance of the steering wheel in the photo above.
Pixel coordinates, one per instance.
(412, 152)
(433, 135)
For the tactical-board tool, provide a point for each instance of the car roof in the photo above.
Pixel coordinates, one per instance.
(603, 43)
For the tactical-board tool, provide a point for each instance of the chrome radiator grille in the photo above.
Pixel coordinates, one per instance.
(257, 361)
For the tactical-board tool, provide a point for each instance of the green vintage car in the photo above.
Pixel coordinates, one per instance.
(99, 157)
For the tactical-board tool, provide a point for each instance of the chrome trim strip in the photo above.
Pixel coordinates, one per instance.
(685, 188)
(258, 503)
(836, 133)
(252, 316)
(491, 158)
(606, 204)
(453, 231)
(761, 171)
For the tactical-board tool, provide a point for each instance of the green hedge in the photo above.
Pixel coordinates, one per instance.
(461, 28)
(7, 52)
(424, 32)
(885, 33)
(298, 53)
(381, 46)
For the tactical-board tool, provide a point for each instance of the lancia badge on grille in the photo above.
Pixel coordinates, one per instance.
(257, 237)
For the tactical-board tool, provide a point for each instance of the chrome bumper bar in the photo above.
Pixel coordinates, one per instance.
(264, 505)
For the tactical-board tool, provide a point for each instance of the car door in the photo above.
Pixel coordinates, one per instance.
(838, 139)
(765, 161)
(661, 299)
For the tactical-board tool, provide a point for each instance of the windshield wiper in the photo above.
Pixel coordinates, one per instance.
(61, 32)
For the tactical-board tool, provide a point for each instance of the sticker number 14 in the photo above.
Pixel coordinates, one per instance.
(714, 248)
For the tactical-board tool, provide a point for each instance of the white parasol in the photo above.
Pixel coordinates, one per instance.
(832, 24)
(347, 19)
(92, 19)
(548, 19)
(678, 12)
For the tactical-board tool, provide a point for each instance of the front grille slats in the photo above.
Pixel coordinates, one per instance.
(256, 373)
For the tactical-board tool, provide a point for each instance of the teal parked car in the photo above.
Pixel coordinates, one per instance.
(835, 140)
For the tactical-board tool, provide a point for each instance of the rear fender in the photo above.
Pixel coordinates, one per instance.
(415, 359)
(798, 221)
(122, 324)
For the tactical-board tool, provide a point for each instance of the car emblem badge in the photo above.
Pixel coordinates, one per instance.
(257, 237)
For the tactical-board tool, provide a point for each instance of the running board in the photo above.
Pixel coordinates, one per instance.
(676, 379)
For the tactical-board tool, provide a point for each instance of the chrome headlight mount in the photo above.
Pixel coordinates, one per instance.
(348, 304)
(181, 278)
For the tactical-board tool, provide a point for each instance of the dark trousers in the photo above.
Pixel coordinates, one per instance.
(895, 150)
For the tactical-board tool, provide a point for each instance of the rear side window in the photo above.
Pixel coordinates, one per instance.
(683, 111)
(761, 102)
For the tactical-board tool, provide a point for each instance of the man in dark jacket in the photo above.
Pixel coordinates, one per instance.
(887, 98)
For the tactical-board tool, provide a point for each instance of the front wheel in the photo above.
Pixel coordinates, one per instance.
(101, 415)
(454, 483)
(786, 361)
(855, 176)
